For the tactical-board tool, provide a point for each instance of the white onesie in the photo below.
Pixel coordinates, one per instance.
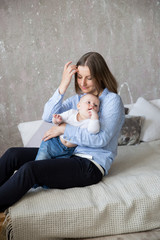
(70, 117)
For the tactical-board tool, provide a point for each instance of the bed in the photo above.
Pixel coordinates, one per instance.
(126, 201)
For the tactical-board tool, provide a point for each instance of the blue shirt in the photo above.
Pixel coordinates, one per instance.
(101, 146)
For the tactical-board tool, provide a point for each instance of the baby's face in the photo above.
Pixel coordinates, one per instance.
(88, 103)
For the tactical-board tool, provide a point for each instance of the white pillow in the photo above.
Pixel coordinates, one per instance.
(36, 139)
(32, 132)
(156, 102)
(151, 126)
(28, 129)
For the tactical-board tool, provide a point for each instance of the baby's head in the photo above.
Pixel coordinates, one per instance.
(88, 103)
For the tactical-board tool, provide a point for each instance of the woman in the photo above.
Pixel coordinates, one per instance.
(95, 152)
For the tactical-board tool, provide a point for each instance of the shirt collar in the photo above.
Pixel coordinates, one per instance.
(104, 93)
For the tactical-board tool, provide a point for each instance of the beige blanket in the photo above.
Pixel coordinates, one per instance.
(127, 200)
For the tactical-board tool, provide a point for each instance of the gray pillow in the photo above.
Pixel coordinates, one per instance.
(131, 130)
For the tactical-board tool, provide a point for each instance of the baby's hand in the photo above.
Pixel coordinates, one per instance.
(94, 114)
(57, 119)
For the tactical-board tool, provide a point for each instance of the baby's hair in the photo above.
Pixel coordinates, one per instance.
(94, 95)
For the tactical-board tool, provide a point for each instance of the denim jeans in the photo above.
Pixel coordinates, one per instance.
(53, 148)
(61, 173)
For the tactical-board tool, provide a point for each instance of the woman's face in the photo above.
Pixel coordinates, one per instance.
(85, 80)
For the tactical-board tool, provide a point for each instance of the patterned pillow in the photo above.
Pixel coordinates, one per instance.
(131, 130)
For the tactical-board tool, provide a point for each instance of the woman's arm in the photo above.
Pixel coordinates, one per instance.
(55, 105)
(68, 72)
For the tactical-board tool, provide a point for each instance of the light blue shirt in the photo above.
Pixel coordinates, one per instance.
(101, 146)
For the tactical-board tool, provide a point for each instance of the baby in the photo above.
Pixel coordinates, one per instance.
(86, 117)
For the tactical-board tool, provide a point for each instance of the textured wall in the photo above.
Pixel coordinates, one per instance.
(37, 37)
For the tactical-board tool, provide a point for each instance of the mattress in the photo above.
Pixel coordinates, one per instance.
(126, 200)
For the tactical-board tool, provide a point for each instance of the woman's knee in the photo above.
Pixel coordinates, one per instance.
(32, 172)
(28, 167)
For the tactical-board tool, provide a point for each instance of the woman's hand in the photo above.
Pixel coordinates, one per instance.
(55, 131)
(68, 72)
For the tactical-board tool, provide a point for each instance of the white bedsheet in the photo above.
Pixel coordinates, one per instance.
(127, 200)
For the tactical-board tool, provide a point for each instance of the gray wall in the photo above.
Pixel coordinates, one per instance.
(37, 37)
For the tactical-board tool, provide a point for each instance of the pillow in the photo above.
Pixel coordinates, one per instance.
(32, 132)
(27, 130)
(156, 102)
(36, 139)
(131, 130)
(151, 126)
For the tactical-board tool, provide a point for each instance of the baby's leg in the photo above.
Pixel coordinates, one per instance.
(43, 151)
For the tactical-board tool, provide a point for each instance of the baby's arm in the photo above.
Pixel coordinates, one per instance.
(61, 118)
(57, 119)
(94, 125)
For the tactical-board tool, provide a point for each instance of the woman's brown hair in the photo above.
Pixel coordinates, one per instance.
(99, 72)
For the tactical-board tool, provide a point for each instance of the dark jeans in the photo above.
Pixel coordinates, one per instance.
(58, 173)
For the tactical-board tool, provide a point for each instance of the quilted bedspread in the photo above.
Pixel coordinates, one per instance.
(126, 201)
